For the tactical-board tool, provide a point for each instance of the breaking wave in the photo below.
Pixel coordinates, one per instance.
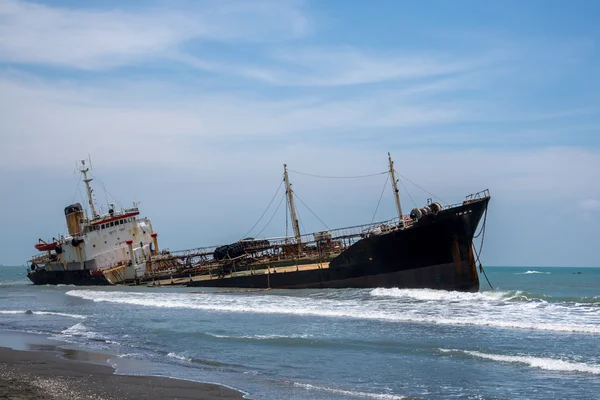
(382, 396)
(550, 364)
(179, 357)
(58, 314)
(437, 295)
(80, 331)
(506, 310)
(261, 337)
(533, 272)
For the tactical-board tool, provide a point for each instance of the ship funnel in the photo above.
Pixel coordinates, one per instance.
(74, 216)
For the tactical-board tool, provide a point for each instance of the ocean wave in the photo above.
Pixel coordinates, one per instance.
(383, 396)
(532, 272)
(437, 295)
(58, 314)
(491, 309)
(130, 355)
(550, 364)
(261, 337)
(82, 331)
(179, 357)
(17, 282)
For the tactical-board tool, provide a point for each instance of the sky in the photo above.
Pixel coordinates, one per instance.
(192, 107)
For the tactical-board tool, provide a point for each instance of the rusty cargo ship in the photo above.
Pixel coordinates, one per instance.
(431, 247)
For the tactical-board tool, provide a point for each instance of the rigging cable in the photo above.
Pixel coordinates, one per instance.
(106, 192)
(429, 193)
(478, 254)
(337, 177)
(407, 192)
(311, 212)
(272, 216)
(380, 197)
(264, 212)
(287, 215)
(76, 190)
(301, 224)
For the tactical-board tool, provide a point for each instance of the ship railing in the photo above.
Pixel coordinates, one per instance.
(315, 247)
(484, 194)
(338, 233)
(39, 258)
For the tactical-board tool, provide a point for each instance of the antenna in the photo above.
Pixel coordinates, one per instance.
(290, 195)
(395, 187)
(84, 170)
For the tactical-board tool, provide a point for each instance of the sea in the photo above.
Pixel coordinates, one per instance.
(535, 335)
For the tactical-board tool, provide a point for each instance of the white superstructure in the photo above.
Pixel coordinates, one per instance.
(118, 244)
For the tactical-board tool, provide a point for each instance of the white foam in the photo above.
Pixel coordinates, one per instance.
(80, 330)
(436, 295)
(261, 337)
(179, 357)
(493, 309)
(59, 314)
(130, 355)
(550, 364)
(532, 272)
(383, 396)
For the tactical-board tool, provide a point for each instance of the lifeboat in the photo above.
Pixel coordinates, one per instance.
(46, 246)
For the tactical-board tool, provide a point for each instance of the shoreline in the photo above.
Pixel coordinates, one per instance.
(35, 368)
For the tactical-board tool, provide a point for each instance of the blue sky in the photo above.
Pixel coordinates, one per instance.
(192, 107)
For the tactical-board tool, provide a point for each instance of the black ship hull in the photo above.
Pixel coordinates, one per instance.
(436, 253)
(77, 277)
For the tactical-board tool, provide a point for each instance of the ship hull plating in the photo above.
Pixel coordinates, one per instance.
(434, 253)
(78, 277)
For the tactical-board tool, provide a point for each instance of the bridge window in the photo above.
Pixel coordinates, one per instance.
(102, 227)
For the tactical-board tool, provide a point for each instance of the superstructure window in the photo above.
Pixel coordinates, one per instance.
(102, 227)
(112, 224)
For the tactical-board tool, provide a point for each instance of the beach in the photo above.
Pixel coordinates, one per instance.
(44, 375)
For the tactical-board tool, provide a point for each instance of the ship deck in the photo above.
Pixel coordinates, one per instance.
(262, 271)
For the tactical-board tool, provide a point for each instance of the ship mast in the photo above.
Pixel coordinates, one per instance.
(84, 170)
(395, 187)
(290, 195)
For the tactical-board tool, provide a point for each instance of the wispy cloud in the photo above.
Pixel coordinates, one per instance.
(101, 39)
(98, 39)
(136, 113)
(590, 205)
(341, 66)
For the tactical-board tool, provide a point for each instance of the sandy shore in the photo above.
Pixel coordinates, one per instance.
(43, 375)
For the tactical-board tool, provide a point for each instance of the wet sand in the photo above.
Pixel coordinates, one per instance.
(44, 375)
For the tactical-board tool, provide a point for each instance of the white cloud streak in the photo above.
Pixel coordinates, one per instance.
(101, 39)
(590, 205)
(342, 66)
(139, 115)
(93, 39)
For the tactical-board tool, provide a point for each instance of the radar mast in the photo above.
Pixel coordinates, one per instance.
(290, 194)
(84, 170)
(395, 187)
